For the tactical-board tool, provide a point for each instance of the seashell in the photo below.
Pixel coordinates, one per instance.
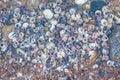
(32, 25)
(17, 10)
(3, 46)
(72, 11)
(48, 14)
(53, 22)
(93, 56)
(19, 74)
(105, 9)
(57, 10)
(104, 38)
(73, 17)
(32, 20)
(60, 54)
(24, 18)
(5, 0)
(12, 36)
(80, 2)
(104, 51)
(87, 6)
(81, 30)
(105, 57)
(14, 20)
(50, 45)
(62, 32)
(56, 16)
(98, 13)
(25, 25)
(4, 4)
(95, 66)
(104, 22)
(110, 63)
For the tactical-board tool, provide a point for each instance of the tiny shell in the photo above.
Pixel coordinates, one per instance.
(105, 9)
(92, 21)
(61, 54)
(98, 13)
(104, 51)
(3, 46)
(12, 36)
(32, 25)
(95, 66)
(24, 3)
(110, 63)
(32, 20)
(73, 17)
(67, 15)
(104, 22)
(4, 4)
(72, 11)
(80, 2)
(81, 30)
(48, 14)
(6, 0)
(54, 22)
(23, 18)
(57, 10)
(87, 6)
(104, 38)
(17, 10)
(19, 74)
(25, 25)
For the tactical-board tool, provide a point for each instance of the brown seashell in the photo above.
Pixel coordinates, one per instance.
(4, 5)
(92, 21)
(94, 58)
(87, 6)
(24, 3)
(6, 31)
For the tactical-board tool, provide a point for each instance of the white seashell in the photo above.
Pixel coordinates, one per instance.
(61, 54)
(6, 0)
(50, 45)
(54, 22)
(52, 28)
(25, 25)
(20, 60)
(110, 63)
(81, 30)
(72, 11)
(44, 57)
(62, 32)
(12, 36)
(32, 20)
(95, 66)
(3, 46)
(17, 10)
(80, 2)
(28, 59)
(59, 68)
(57, 10)
(66, 70)
(65, 37)
(117, 20)
(19, 74)
(48, 14)
(73, 17)
(104, 22)
(34, 61)
(32, 2)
